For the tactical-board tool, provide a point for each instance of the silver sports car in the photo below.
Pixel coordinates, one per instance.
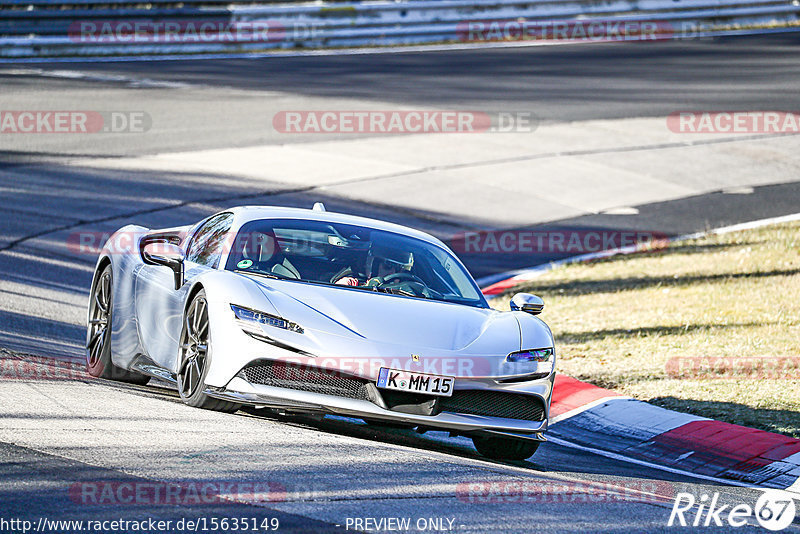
(314, 312)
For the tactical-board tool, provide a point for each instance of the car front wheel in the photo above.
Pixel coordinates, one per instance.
(194, 357)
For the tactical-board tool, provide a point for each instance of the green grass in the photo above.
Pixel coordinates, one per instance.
(618, 322)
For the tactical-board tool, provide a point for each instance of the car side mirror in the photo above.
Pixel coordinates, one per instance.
(168, 255)
(527, 303)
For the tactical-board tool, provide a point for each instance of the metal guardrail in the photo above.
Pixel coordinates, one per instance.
(46, 28)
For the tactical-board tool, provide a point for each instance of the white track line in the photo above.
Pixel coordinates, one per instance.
(93, 77)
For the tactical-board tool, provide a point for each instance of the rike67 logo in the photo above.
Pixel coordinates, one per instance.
(774, 510)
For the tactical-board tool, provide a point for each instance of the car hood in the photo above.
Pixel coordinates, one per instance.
(391, 319)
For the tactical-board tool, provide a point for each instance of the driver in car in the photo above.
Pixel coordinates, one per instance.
(379, 265)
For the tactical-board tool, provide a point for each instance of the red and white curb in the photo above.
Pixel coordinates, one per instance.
(598, 419)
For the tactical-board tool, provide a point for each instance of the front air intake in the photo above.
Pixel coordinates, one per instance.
(305, 378)
(494, 404)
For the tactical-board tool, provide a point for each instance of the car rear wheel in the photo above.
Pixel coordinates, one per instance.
(98, 334)
(505, 448)
(194, 356)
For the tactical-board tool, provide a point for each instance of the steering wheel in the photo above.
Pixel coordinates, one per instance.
(400, 277)
(406, 282)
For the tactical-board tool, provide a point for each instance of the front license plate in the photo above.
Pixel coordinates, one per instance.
(415, 382)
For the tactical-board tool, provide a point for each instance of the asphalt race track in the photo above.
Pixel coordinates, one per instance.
(555, 83)
(59, 437)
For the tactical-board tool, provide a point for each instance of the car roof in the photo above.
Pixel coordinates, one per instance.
(245, 214)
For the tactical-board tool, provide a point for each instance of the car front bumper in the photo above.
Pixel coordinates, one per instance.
(242, 391)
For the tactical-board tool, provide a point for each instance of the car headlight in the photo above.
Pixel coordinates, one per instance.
(250, 317)
(544, 359)
(536, 355)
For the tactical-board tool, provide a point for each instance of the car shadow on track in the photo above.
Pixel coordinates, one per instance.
(437, 441)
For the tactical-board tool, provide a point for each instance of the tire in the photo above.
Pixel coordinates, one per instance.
(194, 356)
(505, 448)
(98, 334)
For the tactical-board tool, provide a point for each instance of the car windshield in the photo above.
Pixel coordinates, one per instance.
(352, 256)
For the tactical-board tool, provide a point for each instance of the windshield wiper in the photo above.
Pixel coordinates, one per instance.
(367, 288)
(265, 275)
(274, 276)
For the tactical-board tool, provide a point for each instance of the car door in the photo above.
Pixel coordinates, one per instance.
(159, 307)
